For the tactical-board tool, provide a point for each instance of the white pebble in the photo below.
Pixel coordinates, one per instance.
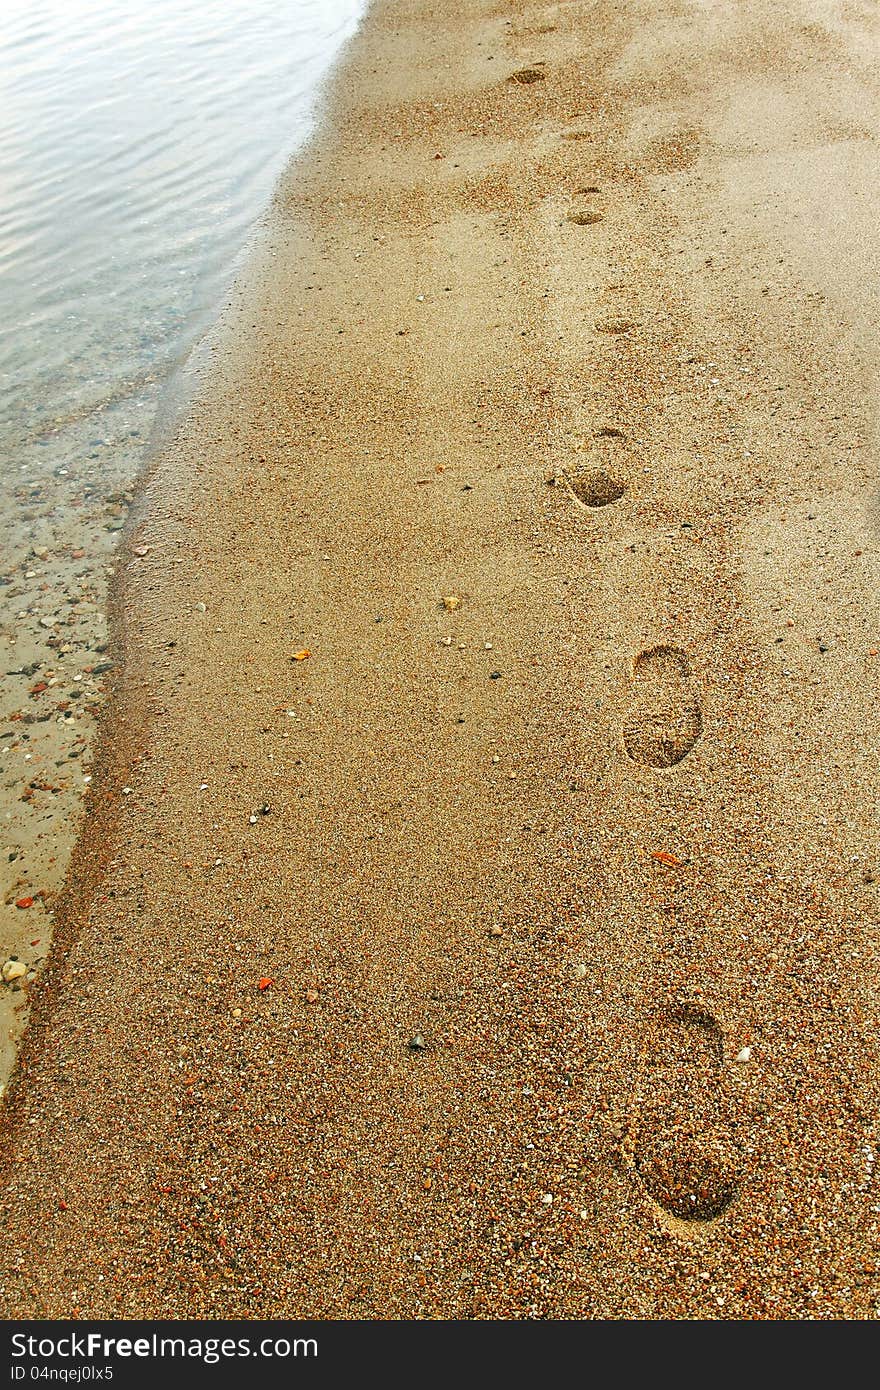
(745, 1055)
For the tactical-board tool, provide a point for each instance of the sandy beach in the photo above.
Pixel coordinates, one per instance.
(475, 912)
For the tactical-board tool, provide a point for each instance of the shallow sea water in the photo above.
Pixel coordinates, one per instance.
(139, 144)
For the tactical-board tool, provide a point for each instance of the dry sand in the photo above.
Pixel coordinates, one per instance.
(561, 893)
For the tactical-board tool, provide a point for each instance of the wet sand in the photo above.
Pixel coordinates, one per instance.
(62, 517)
(490, 926)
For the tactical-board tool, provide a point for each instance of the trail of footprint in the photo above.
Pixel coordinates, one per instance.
(679, 1142)
(665, 719)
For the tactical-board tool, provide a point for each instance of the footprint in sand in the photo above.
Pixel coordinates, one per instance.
(665, 720)
(679, 1144)
(525, 76)
(594, 487)
(585, 219)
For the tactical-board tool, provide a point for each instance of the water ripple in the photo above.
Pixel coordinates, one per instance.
(138, 142)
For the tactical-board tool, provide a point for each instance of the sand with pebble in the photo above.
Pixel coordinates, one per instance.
(63, 517)
(475, 914)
